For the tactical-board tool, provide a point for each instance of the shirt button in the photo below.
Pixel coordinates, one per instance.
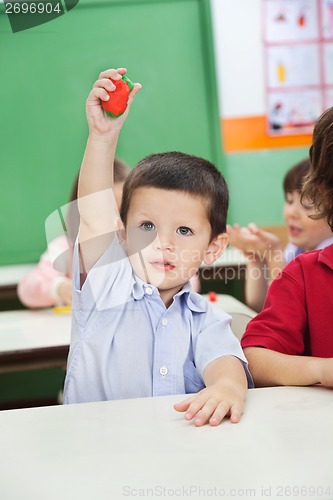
(164, 322)
(149, 291)
(163, 370)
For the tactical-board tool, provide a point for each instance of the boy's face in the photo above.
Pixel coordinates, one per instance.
(303, 232)
(167, 237)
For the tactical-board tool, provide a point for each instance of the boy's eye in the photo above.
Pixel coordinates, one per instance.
(185, 231)
(148, 226)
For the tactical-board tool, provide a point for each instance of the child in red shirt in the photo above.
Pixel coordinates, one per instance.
(291, 341)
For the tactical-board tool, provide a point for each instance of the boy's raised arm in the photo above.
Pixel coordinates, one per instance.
(97, 207)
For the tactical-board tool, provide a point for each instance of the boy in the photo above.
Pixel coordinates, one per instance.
(291, 341)
(263, 249)
(137, 329)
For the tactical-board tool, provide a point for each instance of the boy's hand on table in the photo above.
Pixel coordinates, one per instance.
(214, 403)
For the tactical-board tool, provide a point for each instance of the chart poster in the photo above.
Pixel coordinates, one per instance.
(328, 63)
(328, 98)
(291, 20)
(326, 9)
(298, 58)
(293, 65)
(294, 111)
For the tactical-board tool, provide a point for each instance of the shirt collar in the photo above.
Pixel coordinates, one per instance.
(326, 256)
(325, 243)
(140, 287)
(194, 301)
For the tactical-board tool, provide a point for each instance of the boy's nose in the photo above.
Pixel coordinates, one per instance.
(164, 242)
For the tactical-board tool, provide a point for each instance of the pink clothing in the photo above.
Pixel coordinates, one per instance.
(39, 287)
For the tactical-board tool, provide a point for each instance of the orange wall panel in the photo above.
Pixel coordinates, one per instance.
(250, 133)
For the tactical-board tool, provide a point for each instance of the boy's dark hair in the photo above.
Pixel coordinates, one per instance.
(318, 187)
(181, 172)
(295, 177)
(120, 170)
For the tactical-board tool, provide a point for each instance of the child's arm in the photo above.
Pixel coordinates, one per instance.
(98, 212)
(225, 393)
(265, 260)
(256, 283)
(270, 368)
(270, 248)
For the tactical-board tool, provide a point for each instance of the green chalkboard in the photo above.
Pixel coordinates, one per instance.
(46, 74)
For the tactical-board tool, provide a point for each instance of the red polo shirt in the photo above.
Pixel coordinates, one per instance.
(297, 317)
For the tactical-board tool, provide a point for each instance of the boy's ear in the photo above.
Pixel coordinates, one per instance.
(216, 248)
(121, 232)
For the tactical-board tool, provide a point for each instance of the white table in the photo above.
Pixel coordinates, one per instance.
(32, 339)
(231, 305)
(11, 275)
(142, 448)
(231, 257)
(9, 278)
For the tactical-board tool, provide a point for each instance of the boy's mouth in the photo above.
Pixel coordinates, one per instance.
(294, 231)
(163, 264)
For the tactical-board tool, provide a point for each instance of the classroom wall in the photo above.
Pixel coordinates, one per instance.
(47, 72)
(254, 175)
(168, 46)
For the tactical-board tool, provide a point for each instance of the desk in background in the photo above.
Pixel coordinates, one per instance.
(34, 339)
(11, 275)
(226, 275)
(231, 305)
(281, 448)
(9, 279)
(33, 352)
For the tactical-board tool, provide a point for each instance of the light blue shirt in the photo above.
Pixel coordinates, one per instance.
(127, 344)
(292, 251)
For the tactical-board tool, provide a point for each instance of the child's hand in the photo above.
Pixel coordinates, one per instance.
(64, 292)
(213, 403)
(252, 241)
(266, 240)
(99, 122)
(241, 238)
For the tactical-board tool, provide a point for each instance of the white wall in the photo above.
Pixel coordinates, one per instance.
(237, 30)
